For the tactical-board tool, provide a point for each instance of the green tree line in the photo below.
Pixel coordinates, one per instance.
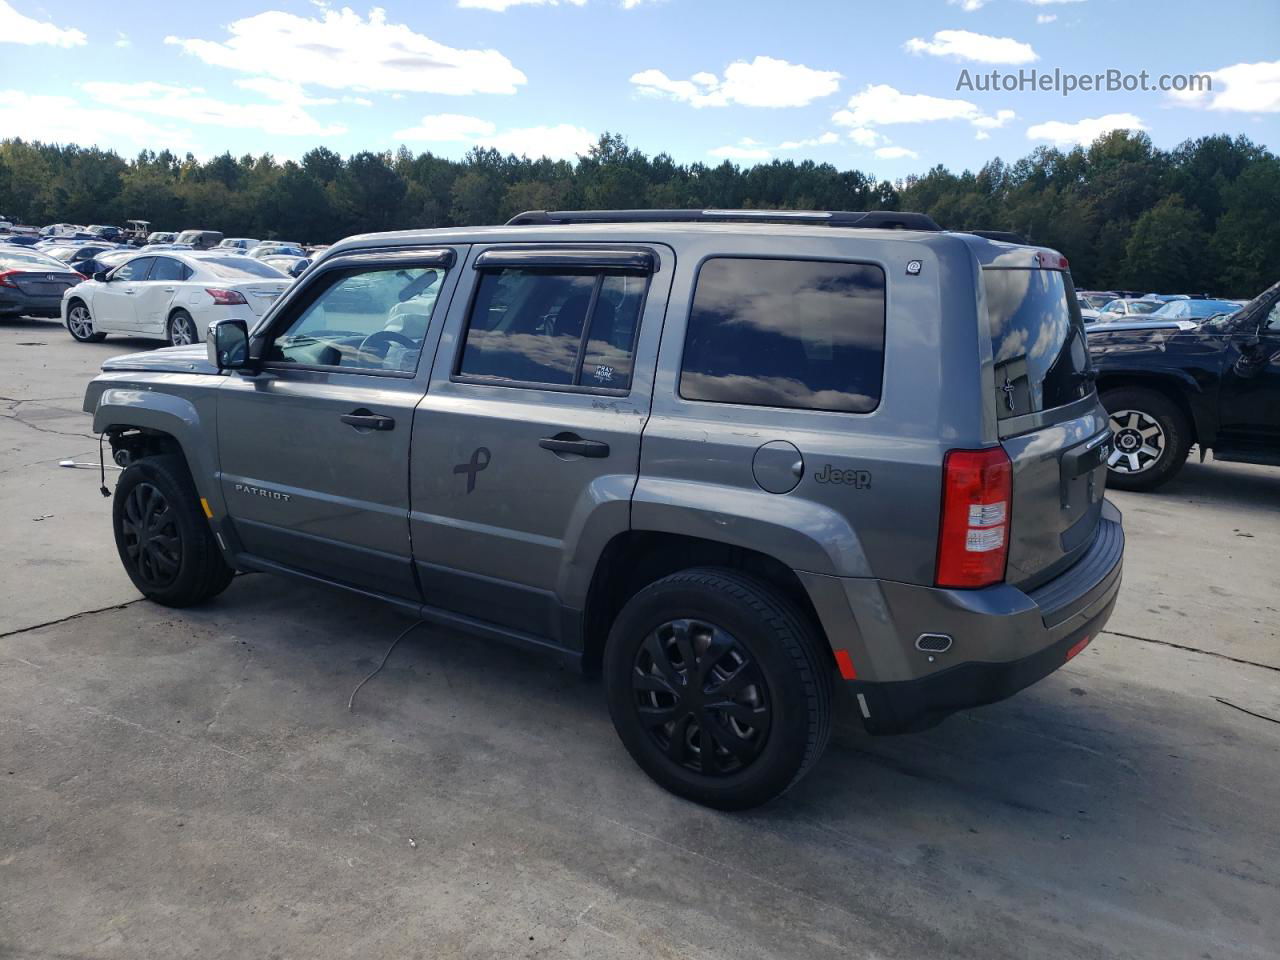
(1204, 216)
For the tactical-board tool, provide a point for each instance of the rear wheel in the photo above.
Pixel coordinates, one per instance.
(80, 323)
(182, 329)
(1151, 436)
(718, 688)
(162, 535)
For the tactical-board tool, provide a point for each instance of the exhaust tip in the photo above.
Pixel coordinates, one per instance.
(933, 643)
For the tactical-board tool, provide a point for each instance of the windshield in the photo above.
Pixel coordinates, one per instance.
(241, 268)
(1037, 340)
(1143, 306)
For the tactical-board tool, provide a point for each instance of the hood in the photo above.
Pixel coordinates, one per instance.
(193, 358)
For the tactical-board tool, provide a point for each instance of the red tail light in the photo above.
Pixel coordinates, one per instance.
(226, 298)
(4, 278)
(973, 537)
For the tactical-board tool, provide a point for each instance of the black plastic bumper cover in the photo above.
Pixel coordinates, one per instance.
(909, 706)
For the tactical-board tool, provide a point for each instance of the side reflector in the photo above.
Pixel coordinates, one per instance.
(207, 512)
(1078, 646)
(845, 663)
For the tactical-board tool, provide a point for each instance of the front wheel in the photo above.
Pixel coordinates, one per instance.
(1150, 435)
(80, 324)
(718, 687)
(162, 535)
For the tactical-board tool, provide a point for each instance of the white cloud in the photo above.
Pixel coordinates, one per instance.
(122, 39)
(16, 28)
(1246, 87)
(1046, 17)
(447, 128)
(744, 149)
(564, 141)
(56, 119)
(502, 5)
(995, 122)
(1083, 132)
(865, 136)
(342, 50)
(978, 47)
(896, 153)
(1049, 3)
(284, 116)
(764, 82)
(825, 140)
(968, 6)
(880, 105)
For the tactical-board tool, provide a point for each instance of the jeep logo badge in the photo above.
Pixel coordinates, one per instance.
(858, 479)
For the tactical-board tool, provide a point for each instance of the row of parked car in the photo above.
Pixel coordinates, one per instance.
(1129, 306)
(170, 288)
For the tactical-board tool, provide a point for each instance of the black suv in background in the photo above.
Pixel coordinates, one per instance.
(1167, 384)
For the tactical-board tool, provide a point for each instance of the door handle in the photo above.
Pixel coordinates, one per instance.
(170, 289)
(572, 443)
(363, 419)
(129, 292)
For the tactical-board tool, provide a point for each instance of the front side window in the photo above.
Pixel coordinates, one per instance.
(560, 327)
(786, 333)
(363, 319)
(133, 270)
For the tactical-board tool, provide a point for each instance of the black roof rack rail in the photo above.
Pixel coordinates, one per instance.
(871, 219)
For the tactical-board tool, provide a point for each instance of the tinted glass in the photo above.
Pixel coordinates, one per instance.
(240, 268)
(363, 319)
(133, 270)
(786, 333)
(167, 268)
(527, 326)
(1143, 306)
(15, 260)
(607, 360)
(1037, 340)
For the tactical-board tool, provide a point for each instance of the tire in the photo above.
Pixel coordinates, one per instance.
(768, 671)
(181, 329)
(177, 562)
(1145, 420)
(80, 323)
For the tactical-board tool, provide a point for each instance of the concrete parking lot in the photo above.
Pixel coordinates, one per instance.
(191, 783)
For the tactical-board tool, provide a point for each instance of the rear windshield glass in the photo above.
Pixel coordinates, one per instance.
(240, 268)
(1037, 341)
(786, 333)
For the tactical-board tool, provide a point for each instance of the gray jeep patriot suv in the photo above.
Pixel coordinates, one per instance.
(734, 460)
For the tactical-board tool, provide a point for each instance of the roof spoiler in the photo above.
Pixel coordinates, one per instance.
(872, 219)
(1004, 236)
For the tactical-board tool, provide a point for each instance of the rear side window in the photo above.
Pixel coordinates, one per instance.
(1037, 341)
(559, 327)
(786, 333)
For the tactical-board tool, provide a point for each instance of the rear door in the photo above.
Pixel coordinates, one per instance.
(115, 303)
(314, 449)
(151, 302)
(1048, 418)
(527, 445)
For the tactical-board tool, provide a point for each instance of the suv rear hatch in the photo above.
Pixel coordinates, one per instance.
(1049, 420)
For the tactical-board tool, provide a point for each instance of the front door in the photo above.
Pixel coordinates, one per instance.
(314, 448)
(1250, 400)
(526, 447)
(115, 303)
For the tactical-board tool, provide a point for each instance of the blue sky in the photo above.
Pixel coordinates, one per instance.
(865, 85)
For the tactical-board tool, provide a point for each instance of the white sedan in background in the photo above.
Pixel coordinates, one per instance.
(171, 296)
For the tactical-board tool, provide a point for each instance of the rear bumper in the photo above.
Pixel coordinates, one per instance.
(1002, 639)
(15, 302)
